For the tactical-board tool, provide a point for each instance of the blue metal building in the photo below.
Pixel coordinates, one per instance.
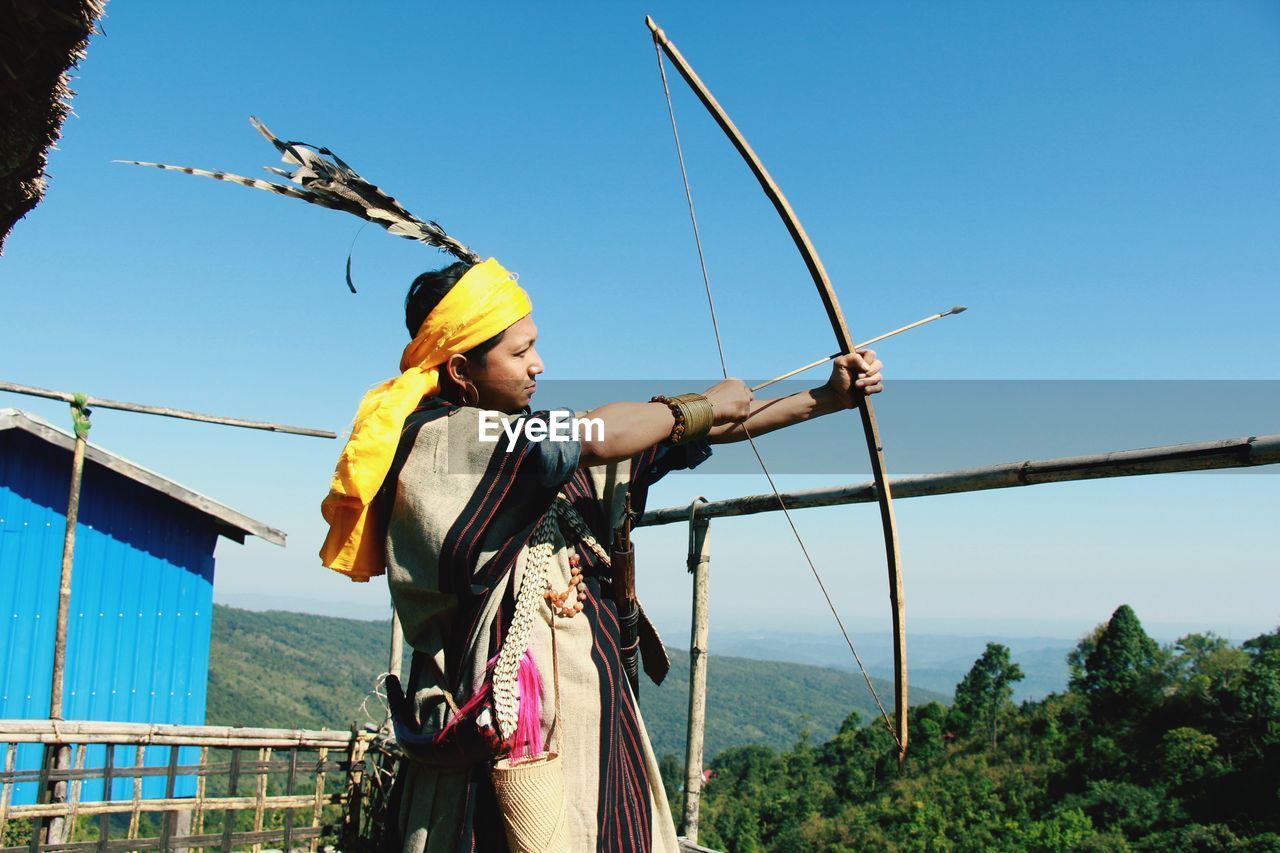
(142, 592)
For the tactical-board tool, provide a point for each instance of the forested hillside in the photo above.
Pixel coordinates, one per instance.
(1150, 748)
(294, 669)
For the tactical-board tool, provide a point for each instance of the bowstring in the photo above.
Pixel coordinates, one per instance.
(706, 280)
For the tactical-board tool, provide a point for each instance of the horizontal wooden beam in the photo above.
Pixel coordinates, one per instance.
(286, 801)
(246, 768)
(145, 734)
(212, 840)
(1199, 456)
(164, 411)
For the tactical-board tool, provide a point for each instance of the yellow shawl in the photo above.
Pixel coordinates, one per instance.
(484, 302)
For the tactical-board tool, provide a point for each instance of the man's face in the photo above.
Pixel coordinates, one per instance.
(506, 380)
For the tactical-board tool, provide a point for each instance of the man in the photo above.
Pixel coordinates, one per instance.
(465, 523)
(493, 549)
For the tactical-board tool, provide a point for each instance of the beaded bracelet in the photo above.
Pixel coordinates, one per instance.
(693, 415)
(677, 412)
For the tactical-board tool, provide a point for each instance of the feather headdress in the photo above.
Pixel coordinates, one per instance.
(324, 179)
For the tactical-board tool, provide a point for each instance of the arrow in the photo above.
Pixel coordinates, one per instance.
(956, 310)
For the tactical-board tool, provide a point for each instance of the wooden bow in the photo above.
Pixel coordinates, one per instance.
(846, 343)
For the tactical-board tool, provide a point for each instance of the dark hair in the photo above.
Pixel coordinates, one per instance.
(425, 294)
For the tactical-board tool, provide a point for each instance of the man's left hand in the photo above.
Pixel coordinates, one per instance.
(854, 375)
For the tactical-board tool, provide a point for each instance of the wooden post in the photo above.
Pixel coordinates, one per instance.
(74, 795)
(229, 815)
(700, 566)
(317, 807)
(289, 788)
(197, 818)
(64, 586)
(260, 796)
(169, 820)
(135, 811)
(104, 819)
(10, 756)
(55, 828)
(350, 831)
(182, 820)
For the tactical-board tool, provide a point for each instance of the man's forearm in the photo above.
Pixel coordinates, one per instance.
(769, 415)
(628, 428)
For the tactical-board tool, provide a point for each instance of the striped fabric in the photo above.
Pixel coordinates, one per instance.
(462, 513)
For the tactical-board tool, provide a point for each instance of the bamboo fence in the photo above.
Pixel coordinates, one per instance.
(255, 787)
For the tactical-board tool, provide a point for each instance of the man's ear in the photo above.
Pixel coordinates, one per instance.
(457, 368)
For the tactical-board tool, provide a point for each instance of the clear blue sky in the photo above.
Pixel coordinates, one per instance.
(1098, 181)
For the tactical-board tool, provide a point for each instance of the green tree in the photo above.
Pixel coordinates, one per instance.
(859, 757)
(927, 732)
(1254, 735)
(985, 693)
(1151, 749)
(1122, 665)
(1206, 672)
(1187, 755)
(1120, 676)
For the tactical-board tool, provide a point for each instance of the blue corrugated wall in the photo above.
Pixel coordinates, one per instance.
(141, 605)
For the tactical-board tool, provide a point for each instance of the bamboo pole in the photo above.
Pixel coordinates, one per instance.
(54, 831)
(104, 821)
(228, 814)
(74, 796)
(289, 786)
(139, 760)
(197, 818)
(169, 821)
(6, 788)
(355, 777)
(148, 734)
(700, 567)
(317, 807)
(164, 411)
(163, 804)
(259, 809)
(1244, 452)
(64, 585)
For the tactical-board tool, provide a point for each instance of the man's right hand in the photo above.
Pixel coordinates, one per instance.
(730, 401)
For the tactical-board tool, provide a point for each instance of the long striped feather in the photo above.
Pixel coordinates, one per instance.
(323, 178)
(256, 183)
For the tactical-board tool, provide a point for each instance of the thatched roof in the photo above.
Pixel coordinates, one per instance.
(40, 40)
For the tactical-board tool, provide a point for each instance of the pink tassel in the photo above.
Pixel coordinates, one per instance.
(472, 705)
(528, 739)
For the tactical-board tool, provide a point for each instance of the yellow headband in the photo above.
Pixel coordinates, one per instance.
(484, 303)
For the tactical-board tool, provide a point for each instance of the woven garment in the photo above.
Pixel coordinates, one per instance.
(460, 528)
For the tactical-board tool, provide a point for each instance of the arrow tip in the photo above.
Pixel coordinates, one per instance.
(959, 309)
